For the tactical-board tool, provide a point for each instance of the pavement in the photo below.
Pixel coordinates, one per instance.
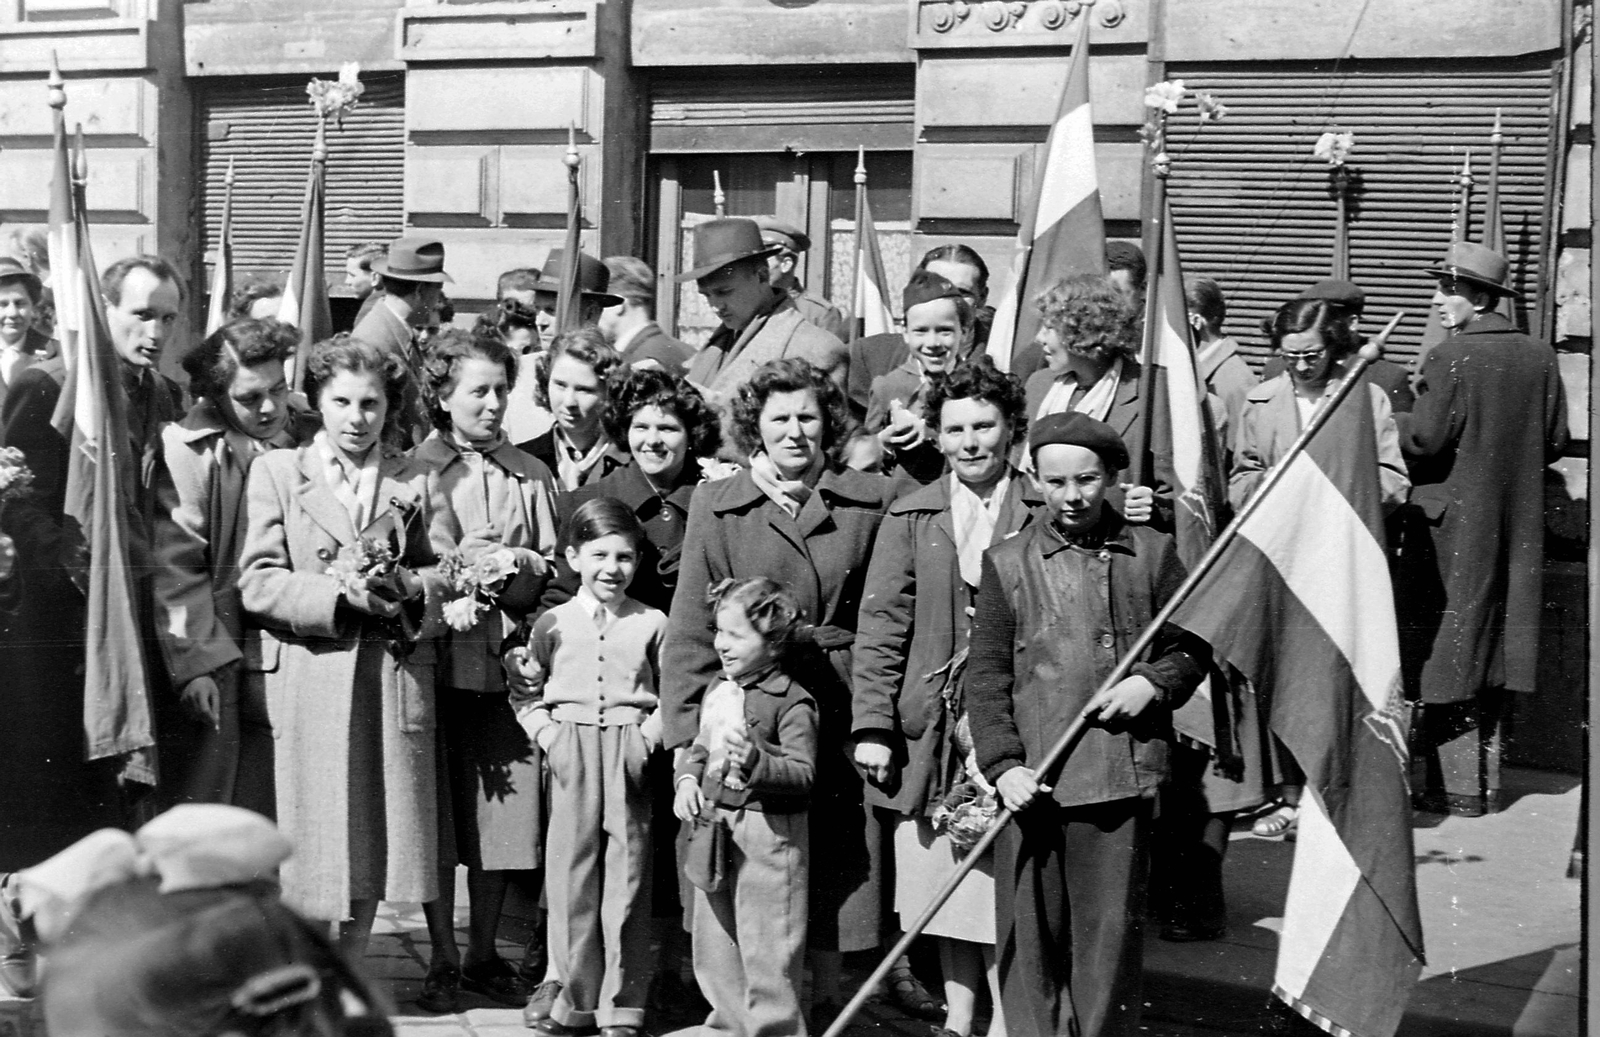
(1500, 920)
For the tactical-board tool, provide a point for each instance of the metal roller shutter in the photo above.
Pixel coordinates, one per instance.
(1251, 203)
(267, 127)
(798, 109)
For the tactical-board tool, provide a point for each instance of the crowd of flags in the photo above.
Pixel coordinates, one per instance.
(1302, 602)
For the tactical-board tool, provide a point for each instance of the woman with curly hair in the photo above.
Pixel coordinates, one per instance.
(489, 500)
(570, 382)
(217, 738)
(340, 574)
(798, 516)
(910, 728)
(1090, 334)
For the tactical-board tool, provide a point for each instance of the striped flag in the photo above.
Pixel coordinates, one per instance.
(872, 315)
(1065, 233)
(305, 296)
(91, 415)
(222, 273)
(1300, 603)
(1494, 224)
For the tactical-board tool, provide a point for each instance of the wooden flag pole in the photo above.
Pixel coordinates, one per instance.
(1161, 166)
(719, 201)
(567, 302)
(1064, 745)
(856, 316)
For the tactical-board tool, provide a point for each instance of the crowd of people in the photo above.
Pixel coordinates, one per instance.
(724, 656)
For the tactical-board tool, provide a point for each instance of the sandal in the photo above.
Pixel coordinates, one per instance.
(1280, 822)
(911, 996)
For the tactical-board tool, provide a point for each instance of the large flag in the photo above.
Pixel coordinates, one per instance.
(1301, 604)
(872, 315)
(1063, 232)
(1494, 224)
(92, 416)
(222, 273)
(305, 295)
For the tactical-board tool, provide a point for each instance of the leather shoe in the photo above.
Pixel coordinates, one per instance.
(441, 988)
(540, 1002)
(619, 1031)
(550, 1028)
(1190, 932)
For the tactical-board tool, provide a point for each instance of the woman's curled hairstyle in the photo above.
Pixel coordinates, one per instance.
(441, 368)
(790, 374)
(632, 389)
(1326, 318)
(238, 343)
(980, 380)
(1092, 316)
(343, 353)
(769, 606)
(585, 345)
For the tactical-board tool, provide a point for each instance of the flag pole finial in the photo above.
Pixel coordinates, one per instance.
(80, 158)
(861, 166)
(571, 157)
(227, 180)
(58, 86)
(1466, 169)
(719, 201)
(319, 146)
(1495, 135)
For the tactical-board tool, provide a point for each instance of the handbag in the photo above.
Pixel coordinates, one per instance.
(704, 845)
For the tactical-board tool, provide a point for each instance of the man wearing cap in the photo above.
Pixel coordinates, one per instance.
(630, 326)
(1490, 415)
(759, 322)
(411, 279)
(781, 265)
(1387, 375)
(1058, 605)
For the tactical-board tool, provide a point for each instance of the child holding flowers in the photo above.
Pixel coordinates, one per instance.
(588, 699)
(494, 527)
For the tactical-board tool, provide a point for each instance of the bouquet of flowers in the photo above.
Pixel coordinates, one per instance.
(371, 564)
(477, 584)
(16, 479)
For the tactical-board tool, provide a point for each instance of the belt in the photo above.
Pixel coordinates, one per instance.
(611, 716)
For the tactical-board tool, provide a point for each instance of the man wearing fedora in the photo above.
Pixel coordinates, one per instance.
(759, 322)
(411, 280)
(630, 326)
(1490, 415)
(781, 265)
(594, 292)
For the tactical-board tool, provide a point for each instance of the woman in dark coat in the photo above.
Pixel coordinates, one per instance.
(798, 516)
(908, 715)
(1490, 414)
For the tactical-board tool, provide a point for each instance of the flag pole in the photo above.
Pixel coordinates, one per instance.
(222, 275)
(1069, 738)
(319, 165)
(719, 201)
(567, 307)
(856, 314)
(1340, 176)
(1461, 226)
(1161, 166)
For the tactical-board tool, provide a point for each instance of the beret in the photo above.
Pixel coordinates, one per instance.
(1343, 293)
(1074, 428)
(926, 286)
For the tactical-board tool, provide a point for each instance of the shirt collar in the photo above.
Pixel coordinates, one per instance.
(592, 604)
(1111, 534)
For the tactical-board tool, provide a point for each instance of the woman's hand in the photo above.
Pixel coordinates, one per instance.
(364, 599)
(875, 758)
(1138, 504)
(687, 802)
(204, 699)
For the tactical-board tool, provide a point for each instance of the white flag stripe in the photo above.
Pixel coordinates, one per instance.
(1174, 354)
(1003, 329)
(1332, 564)
(289, 306)
(1320, 886)
(874, 311)
(1069, 173)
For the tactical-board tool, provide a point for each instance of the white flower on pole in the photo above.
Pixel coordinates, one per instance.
(1334, 148)
(1165, 95)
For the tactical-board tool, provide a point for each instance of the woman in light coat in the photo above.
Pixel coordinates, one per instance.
(351, 696)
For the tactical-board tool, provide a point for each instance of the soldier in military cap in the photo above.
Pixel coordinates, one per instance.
(792, 242)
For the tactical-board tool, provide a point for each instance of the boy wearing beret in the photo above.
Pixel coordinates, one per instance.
(1058, 606)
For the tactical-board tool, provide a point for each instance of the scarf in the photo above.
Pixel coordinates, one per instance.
(789, 494)
(721, 714)
(572, 466)
(490, 497)
(354, 483)
(975, 520)
(1096, 401)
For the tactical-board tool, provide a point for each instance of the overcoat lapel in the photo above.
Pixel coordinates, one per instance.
(319, 503)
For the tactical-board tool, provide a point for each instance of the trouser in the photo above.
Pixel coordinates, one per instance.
(1069, 907)
(1462, 743)
(597, 874)
(230, 761)
(750, 936)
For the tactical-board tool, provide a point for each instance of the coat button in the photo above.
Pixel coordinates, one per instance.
(324, 554)
(1106, 640)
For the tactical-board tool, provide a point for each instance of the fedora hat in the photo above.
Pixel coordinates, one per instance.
(593, 277)
(414, 259)
(776, 232)
(722, 241)
(1476, 264)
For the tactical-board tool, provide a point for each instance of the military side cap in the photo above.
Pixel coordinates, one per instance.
(926, 286)
(1340, 293)
(776, 232)
(717, 243)
(1073, 428)
(594, 279)
(1476, 264)
(414, 259)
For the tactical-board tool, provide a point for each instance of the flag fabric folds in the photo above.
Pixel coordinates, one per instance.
(1301, 604)
(222, 272)
(1063, 232)
(873, 315)
(101, 475)
(305, 295)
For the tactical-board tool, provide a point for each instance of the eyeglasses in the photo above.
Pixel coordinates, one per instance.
(1310, 356)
